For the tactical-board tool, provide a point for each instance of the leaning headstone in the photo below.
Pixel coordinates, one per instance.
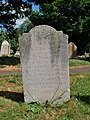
(72, 50)
(5, 48)
(44, 60)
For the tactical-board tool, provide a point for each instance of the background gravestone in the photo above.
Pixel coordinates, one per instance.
(17, 54)
(72, 50)
(44, 60)
(5, 48)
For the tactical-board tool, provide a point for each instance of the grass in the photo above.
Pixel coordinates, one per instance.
(77, 62)
(15, 61)
(12, 106)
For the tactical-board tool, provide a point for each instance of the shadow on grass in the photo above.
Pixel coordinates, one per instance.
(9, 60)
(85, 59)
(18, 97)
(84, 98)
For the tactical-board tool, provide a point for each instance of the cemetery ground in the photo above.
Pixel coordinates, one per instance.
(13, 107)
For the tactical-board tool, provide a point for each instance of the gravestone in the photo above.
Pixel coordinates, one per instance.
(5, 48)
(72, 50)
(44, 60)
(17, 54)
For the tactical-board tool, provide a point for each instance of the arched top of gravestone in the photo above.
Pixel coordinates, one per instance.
(43, 30)
(43, 27)
(41, 34)
(72, 44)
(5, 43)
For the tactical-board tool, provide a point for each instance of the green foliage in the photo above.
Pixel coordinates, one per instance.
(3, 36)
(10, 10)
(36, 108)
(77, 108)
(25, 26)
(11, 38)
(14, 40)
(13, 80)
(70, 16)
(80, 81)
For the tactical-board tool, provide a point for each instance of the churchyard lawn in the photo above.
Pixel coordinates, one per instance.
(12, 106)
(77, 62)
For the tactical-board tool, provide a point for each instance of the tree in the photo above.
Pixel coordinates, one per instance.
(10, 11)
(3, 36)
(70, 16)
(14, 40)
(25, 26)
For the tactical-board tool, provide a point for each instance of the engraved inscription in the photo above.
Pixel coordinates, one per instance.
(45, 65)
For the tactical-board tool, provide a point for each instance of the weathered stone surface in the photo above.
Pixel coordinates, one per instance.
(72, 50)
(44, 59)
(5, 48)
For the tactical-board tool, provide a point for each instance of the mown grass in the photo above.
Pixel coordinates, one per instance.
(15, 61)
(12, 106)
(77, 62)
